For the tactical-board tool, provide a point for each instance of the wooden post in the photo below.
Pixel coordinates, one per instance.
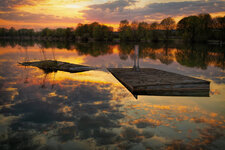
(137, 54)
(136, 57)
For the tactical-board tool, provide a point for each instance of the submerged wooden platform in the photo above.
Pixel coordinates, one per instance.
(53, 66)
(149, 81)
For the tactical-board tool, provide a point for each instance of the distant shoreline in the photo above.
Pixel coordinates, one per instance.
(200, 28)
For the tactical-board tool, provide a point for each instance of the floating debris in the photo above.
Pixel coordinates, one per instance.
(149, 81)
(53, 66)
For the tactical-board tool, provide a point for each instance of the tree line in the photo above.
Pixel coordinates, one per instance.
(198, 28)
(83, 32)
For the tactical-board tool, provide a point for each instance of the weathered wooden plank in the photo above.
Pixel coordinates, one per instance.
(53, 66)
(149, 81)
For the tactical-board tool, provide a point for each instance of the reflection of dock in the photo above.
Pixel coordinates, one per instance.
(148, 81)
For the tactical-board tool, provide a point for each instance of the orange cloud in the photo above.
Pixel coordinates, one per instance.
(63, 13)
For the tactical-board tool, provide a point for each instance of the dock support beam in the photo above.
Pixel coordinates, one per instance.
(136, 58)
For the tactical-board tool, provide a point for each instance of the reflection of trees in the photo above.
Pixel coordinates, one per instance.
(217, 59)
(3, 43)
(13, 43)
(26, 43)
(200, 56)
(125, 50)
(53, 44)
(157, 51)
(166, 57)
(93, 49)
(192, 56)
(148, 52)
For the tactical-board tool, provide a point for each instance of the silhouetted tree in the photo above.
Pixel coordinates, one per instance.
(94, 31)
(168, 24)
(143, 31)
(12, 32)
(154, 33)
(219, 25)
(204, 27)
(134, 33)
(189, 28)
(125, 31)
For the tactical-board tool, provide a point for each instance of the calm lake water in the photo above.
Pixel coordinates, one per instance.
(93, 110)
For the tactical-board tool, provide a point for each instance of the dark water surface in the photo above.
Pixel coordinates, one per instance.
(93, 110)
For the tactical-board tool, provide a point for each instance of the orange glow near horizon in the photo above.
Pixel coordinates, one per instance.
(30, 25)
(53, 25)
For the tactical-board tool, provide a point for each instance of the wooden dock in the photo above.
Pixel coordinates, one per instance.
(149, 81)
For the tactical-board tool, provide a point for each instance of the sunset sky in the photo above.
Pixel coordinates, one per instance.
(68, 13)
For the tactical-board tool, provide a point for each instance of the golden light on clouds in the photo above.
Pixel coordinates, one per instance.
(57, 8)
(68, 13)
